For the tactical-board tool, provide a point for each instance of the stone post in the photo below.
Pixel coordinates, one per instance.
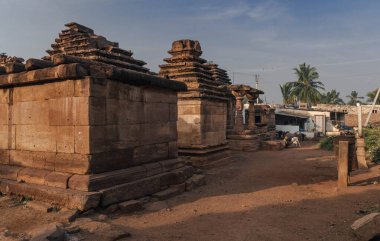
(239, 124)
(251, 117)
(343, 164)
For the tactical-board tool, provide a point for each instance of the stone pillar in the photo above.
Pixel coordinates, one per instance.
(251, 117)
(239, 124)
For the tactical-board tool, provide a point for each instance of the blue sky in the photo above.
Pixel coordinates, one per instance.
(270, 37)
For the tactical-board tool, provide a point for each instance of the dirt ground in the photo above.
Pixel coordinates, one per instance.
(284, 195)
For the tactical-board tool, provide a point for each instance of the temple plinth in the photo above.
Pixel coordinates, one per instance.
(202, 109)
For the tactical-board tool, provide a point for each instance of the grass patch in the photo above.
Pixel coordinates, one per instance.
(372, 143)
(326, 143)
(20, 200)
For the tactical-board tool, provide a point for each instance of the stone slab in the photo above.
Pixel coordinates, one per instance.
(195, 181)
(32, 175)
(105, 180)
(64, 197)
(57, 73)
(367, 227)
(132, 190)
(40, 206)
(9, 172)
(172, 164)
(131, 206)
(244, 145)
(57, 179)
(168, 193)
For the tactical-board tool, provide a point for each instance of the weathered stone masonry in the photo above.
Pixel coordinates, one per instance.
(83, 133)
(202, 109)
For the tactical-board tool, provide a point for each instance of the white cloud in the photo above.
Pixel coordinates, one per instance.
(267, 10)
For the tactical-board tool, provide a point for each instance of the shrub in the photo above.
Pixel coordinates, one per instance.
(327, 143)
(372, 143)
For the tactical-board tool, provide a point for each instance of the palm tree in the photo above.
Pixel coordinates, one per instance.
(307, 88)
(371, 96)
(354, 98)
(332, 97)
(287, 96)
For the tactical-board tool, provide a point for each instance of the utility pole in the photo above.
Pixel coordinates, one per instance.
(233, 77)
(257, 85)
(372, 107)
(360, 126)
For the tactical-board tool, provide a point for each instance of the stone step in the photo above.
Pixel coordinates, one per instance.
(62, 197)
(131, 206)
(40, 206)
(211, 160)
(216, 162)
(195, 181)
(145, 186)
(108, 179)
(170, 192)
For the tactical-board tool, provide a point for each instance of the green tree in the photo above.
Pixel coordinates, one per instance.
(332, 97)
(287, 94)
(307, 87)
(371, 96)
(354, 98)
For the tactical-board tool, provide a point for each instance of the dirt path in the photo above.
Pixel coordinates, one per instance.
(286, 195)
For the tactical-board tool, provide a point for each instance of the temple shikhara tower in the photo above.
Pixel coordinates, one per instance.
(81, 41)
(219, 75)
(202, 109)
(89, 125)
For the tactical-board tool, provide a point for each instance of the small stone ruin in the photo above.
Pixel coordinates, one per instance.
(202, 109)
(89, 126)
(242, 136)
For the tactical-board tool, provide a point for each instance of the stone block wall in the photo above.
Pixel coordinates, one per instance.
(74, 125)
(93, 130)
(87, 125)
(202, 123)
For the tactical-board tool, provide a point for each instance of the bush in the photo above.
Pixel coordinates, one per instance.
(372, 143)
(327, 143)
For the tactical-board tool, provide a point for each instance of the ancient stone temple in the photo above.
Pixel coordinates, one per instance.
(202, 109)
(243, 136)
(88, 125)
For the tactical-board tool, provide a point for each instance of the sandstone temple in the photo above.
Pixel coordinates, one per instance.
(89, 125)
(202, 109)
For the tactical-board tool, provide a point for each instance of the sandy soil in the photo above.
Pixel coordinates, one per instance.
(285, 195)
